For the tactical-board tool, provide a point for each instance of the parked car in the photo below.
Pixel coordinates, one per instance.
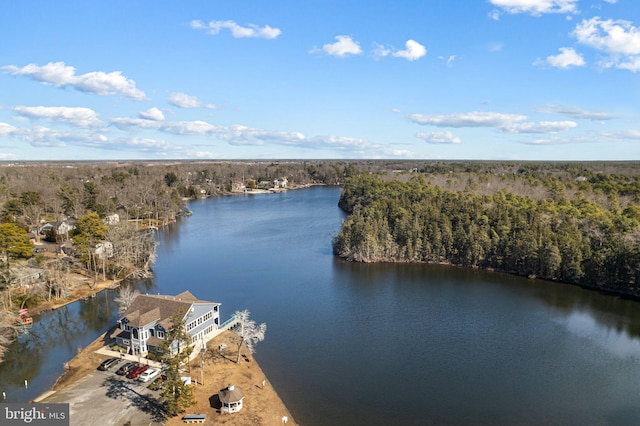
(107, 363)
(125, 369)
(135, 372)
(157, 383)
(149, 374)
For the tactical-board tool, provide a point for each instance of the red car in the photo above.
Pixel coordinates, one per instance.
(137, 371)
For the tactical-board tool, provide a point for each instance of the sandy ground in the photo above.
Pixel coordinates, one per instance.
(262, 405)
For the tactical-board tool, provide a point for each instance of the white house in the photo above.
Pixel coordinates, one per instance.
(112, 219)
(60, 229)
(104, 250)
(144, 326)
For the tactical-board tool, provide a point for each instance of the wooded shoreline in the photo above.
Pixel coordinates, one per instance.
(579, 229)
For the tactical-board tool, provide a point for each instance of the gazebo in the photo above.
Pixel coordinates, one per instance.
(231, 398)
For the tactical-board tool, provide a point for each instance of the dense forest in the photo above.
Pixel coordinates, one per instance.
(572, 223)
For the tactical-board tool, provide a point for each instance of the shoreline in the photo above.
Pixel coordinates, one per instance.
(80, 292)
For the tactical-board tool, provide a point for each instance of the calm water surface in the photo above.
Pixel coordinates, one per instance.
(379, 344)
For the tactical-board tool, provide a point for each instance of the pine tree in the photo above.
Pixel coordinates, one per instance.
(176, 395)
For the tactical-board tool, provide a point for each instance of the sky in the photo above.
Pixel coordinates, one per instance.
(320, 79)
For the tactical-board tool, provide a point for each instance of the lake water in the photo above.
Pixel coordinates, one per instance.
(367, 344)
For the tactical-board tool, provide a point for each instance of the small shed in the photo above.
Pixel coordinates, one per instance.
(231, 398)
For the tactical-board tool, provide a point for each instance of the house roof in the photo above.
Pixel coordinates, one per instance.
(231, 394)
(147, 308)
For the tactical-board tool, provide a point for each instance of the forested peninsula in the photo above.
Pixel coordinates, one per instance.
(572, 223)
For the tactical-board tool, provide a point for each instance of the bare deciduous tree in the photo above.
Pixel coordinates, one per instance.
(56, 278)
(9, 329)
(248, 332)
(126, 296)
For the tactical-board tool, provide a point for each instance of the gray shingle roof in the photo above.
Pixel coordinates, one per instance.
(231, 394)
(147, 308)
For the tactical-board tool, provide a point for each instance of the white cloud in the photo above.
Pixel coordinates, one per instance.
(470, 119)
(576, 113)
(76, 116)
(509, 123)
(173, 127)
(626, 134)
(7, 129)
(535, 7)
(632, 64)
(380, 51)
(448, 61)
(619, 39)
(413, 51)
(237, 31)
(182, 100)
(539, 127)
(124, 123)
(567, 58)
(342, 47)
(611, 36)
(445, 137)
(60, 75)
(188, 128)
(244, 135)
(550, 141)
(152, 114)
(40, 136)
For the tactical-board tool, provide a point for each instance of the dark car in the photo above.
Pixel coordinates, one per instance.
(107, 363)
(138, 370)
(125, 369)
(157, 383)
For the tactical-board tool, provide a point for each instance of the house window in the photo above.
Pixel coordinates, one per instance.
(160, 334)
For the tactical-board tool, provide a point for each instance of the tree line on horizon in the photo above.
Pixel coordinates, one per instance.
(579, 226)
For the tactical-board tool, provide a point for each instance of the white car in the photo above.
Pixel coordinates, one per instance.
(149, 374)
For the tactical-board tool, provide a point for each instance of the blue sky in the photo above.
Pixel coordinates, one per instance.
(324, 79)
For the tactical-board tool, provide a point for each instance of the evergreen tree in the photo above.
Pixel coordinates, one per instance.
(14, 241)
(176, 395)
